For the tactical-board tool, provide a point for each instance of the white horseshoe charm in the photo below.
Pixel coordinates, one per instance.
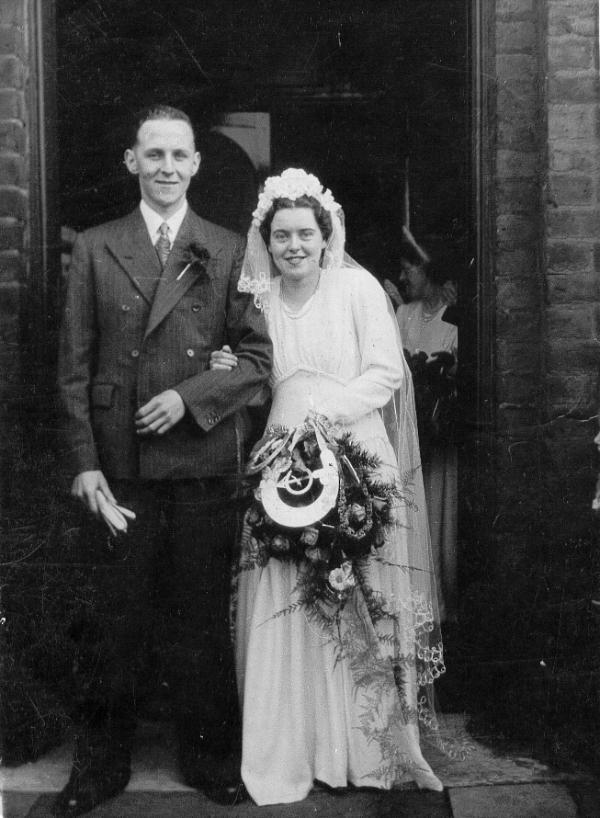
(288, 482)
(297, 516)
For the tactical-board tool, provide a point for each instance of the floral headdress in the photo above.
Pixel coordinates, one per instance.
(293, 183)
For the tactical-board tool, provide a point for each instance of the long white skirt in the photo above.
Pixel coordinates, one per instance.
(336, 706)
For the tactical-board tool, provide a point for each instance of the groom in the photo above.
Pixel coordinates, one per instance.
(149, 426)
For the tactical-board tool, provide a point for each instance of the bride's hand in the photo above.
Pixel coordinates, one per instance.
(223, 359)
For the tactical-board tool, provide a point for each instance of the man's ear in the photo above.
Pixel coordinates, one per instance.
(197, 163)
(131, 162)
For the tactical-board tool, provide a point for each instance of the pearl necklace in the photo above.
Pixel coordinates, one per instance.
(427, 316)
(295, 312)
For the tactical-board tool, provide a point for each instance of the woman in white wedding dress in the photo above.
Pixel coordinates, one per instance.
(348, 704)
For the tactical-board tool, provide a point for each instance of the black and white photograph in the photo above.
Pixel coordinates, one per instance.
(299, 408)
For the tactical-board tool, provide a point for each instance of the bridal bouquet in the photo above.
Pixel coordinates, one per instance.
(319, 502)
(434, 380)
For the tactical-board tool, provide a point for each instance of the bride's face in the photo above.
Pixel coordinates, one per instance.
(296, 242)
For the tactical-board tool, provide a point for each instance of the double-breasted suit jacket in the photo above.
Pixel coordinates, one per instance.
(125, 339)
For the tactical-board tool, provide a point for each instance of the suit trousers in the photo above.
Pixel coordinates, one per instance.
(185, 531)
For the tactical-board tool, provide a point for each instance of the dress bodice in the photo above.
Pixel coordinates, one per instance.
(426, 333)
(338, 355)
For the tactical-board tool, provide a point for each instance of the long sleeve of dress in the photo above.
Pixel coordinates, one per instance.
(373, 326)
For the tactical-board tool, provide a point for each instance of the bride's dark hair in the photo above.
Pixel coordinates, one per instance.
(322, 216)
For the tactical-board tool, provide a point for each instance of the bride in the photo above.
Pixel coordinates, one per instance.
(344, 698)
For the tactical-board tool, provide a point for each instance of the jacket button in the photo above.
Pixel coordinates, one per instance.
(190, 353)
(195, 307)
(125, 307)
(135, 353)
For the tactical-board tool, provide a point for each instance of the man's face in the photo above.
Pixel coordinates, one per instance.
(165, 159)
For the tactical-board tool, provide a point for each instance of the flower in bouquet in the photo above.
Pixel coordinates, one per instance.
(316, 554)
(280, 545)
(309, 536)
(280, 464)
(342, 579)
(255, 548)
(358, 514)
(253, 516)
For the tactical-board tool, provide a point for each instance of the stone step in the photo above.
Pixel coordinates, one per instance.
(488, 784)
(497, 801)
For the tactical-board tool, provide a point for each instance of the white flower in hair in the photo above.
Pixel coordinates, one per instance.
(292, 184)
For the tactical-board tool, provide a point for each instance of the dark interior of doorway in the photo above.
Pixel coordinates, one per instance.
(352, 90)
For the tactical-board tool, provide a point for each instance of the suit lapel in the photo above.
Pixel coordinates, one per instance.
(133, 250)
(174, 282)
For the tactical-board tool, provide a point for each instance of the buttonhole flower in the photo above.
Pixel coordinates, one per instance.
(194, 253)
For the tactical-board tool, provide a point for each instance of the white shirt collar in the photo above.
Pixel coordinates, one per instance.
(154, 220)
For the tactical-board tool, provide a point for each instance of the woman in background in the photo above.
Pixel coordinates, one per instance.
(430, 337)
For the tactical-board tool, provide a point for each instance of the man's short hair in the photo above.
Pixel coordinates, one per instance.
(157, 112)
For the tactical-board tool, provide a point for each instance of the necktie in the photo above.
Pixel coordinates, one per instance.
(163, 245)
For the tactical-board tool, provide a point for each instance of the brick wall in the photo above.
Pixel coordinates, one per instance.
(573, 239)
(517, 194)
(547, 265)
(13, 202)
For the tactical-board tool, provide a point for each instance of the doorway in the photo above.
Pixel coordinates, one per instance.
(372, 98)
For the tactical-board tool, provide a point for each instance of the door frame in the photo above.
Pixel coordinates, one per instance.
(43, 281)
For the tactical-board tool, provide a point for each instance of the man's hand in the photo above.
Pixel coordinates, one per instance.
(85, 486)
(160, 414)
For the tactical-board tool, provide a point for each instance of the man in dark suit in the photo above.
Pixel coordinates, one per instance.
(149, 425)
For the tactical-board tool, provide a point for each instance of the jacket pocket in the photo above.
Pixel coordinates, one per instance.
(102, 395)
